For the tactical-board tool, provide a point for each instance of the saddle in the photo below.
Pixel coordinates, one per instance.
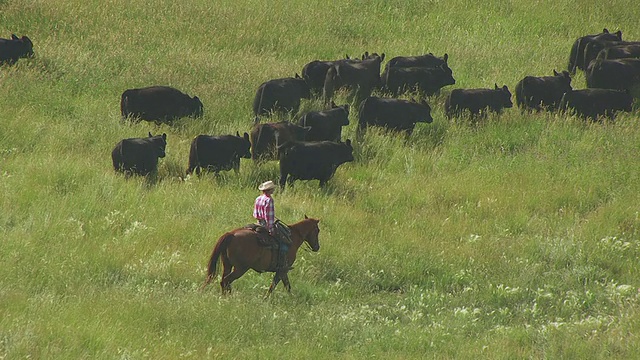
(278, 243)
(264, 238)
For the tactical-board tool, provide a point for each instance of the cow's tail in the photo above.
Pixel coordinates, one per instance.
(386, 76)
(281, 148)
(116, 157)
(257, 103)
(365, 115)
(571, 67)
(564, 103)
(194, 160)
(520, 94)
(256, 148)
(329, 84)
(220, 247)
(577, 64)
(124, 105)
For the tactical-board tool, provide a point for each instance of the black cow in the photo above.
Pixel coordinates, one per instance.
(425, 61)
(594, 103)
(315, 72)
(218, 153)
(623, 51)
(280, 95)
(326, 124)
(593, 49)
(393, 114)
(477, 101)
(158, 104)
(139, 155)
(361, 77)
(618, 74)
(536, 93)
(312, 160)
(266, 137)
(13, 49)
(576, 57)
(422, 79)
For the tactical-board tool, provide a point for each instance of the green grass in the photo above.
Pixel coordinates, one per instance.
(517, 237)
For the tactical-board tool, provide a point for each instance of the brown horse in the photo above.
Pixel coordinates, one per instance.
(241, 251)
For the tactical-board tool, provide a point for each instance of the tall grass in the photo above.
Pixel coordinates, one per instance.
(516, 237)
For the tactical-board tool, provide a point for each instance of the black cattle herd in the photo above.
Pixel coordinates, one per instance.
(311, 148)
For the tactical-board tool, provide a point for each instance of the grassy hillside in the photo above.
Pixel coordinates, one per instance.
(517, 237)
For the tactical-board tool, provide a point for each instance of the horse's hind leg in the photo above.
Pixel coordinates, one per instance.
(229, 277)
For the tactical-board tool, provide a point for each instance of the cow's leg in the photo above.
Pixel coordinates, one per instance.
(283, 180)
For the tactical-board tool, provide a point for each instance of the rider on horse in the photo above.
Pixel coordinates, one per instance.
(264, 212)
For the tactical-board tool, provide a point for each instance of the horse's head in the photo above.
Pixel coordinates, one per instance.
(311, 232)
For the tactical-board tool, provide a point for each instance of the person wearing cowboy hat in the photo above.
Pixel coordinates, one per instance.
(264, 212)
(264, 209)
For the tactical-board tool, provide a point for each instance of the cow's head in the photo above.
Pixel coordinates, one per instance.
(160, 144)
(447, 74)
(197, 109)
(302, 86)
(346, 153)
(244, 146)
(505, 96)
(26, 45)
(423, 112)
(564, 78)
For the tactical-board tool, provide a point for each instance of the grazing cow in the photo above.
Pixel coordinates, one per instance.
(594, 103)
(618, 74)
(326, 124)
(393, 114)
(429, 61)
(536, 93)
(266, 137)
(576, 57)
(280, 95)
(426, 80)
(13, 49)
(160, 104)
(315, 72)
(218, 153)
(593, 49)
(629, 50)
(361, 77)
(312, 160)
(477, 101)
(139, 155)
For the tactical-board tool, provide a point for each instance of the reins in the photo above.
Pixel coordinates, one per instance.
(303, 241)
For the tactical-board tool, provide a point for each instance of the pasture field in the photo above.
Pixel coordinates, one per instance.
(514, 238)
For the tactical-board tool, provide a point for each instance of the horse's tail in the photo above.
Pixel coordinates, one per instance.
(221, 245)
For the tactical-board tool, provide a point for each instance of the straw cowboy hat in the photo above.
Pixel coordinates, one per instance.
(269, 185)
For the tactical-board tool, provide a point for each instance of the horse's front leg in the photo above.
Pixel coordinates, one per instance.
(274, 283)
(285, 281)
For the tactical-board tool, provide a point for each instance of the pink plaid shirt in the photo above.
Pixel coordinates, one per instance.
(264, 210)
